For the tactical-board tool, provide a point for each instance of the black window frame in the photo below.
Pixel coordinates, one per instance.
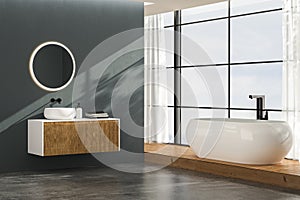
(178, 66)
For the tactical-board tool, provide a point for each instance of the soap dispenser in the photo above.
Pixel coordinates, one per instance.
(78, 111)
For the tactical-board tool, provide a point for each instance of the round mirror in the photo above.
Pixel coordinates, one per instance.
(52, 66)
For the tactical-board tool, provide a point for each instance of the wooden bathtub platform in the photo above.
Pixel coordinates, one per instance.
(286, 174)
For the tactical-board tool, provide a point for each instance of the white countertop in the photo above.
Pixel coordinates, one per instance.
(74, 120)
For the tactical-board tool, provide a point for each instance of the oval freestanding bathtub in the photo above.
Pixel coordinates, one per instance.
(244, 141)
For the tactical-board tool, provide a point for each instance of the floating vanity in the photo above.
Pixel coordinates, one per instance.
(77, 136)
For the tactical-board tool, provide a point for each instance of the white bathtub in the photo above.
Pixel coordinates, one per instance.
(242, 141)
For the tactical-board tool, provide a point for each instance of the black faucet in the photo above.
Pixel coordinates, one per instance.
(260, 106)
(55, 101)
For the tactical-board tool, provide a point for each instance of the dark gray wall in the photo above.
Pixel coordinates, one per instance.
(79, 24)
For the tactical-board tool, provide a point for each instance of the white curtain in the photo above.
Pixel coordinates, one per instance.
(156, 100)
(291, 75)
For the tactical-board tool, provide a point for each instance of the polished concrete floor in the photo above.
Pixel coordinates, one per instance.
(108, 184)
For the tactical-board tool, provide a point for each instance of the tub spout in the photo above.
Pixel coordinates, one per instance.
(260, 106)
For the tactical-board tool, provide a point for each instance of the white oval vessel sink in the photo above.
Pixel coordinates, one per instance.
(244, 141)
(59, 113)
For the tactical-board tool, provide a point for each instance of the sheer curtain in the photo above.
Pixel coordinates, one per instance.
(156, 100)
(291, 75)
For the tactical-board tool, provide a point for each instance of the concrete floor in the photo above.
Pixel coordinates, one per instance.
(168, 183)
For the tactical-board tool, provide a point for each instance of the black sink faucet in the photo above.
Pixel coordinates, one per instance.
(55, 101)
(260, 106)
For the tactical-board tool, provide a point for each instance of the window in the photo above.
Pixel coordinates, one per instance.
(256, 79)
(204, 86)
(240, 7)
(212, 39)
(257, 37)
(207, 12)
(242, 48)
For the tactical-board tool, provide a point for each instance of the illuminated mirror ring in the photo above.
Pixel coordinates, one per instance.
(31, 67)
